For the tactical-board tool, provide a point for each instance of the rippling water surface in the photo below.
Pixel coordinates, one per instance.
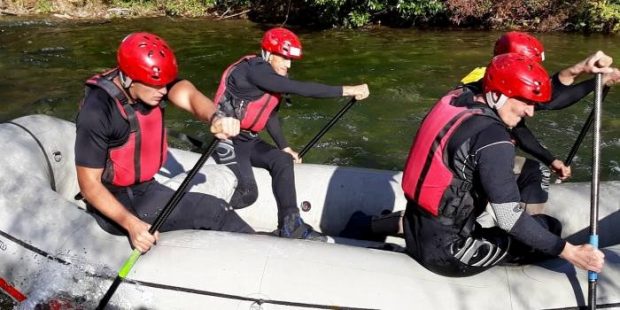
(44, 63)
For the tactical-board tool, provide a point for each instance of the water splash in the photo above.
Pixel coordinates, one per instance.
(74, 286)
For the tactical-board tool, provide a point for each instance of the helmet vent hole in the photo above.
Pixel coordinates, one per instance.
(155, 74)
(150, 55)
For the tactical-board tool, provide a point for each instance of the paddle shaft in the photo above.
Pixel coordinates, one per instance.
(327, 127)
(594, 194)
(161, 218)
(582, 134)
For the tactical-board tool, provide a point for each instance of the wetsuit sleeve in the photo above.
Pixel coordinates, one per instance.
(536, 236)
(92, 125)
(495, 153)
(528, 143)
(564, 96)
(495, 156)
(274, 128)
(265, 78)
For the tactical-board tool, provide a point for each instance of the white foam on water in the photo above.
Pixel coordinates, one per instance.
(77, 285)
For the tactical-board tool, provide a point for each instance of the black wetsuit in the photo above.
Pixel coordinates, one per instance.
(249, 81)
(454, 244)
(100, 126)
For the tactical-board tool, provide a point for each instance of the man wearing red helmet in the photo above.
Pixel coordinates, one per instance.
(121, 144)
(250, 90)
(565, 94)
(461, 160)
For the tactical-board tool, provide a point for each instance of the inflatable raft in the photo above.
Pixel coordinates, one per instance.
(49, 245)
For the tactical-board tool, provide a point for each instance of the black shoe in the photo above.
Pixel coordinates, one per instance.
(294, 227)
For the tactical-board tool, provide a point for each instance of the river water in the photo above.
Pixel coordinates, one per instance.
(44, 63)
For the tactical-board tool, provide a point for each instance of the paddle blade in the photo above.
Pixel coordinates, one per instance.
(11, 291)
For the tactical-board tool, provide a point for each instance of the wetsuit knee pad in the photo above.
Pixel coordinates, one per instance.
(225, 153)
(245, 195)
(283, 161)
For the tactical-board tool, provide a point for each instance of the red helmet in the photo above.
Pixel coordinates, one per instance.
(283, 42)
(516, 76)
(520, 43)
(146, 58)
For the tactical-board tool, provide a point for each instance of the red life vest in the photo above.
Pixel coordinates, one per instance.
(427, 177)
(144, 153)
(252, 114)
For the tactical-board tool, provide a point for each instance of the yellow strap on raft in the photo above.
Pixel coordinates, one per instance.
(474, 76)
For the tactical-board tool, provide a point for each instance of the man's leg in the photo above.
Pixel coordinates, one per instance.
(235, 155)
(389, 224)
(445, 251)
(366, 227)
(281, 168)
(194, 210)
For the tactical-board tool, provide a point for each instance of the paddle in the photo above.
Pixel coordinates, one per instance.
(161, 218)
(582, 134)
(598, 99)
(327, 127)
(11, 290)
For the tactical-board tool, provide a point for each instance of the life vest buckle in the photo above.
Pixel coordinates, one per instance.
(466, 186)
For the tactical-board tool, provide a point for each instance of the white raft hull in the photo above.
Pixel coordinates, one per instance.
(49, 245)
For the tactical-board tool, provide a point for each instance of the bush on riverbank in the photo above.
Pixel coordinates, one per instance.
(532, 15)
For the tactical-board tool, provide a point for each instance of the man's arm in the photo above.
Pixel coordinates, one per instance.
(528, 143)
(99, 197)
(274, 128)
(495, 170)
(185, 96)
(595, 63)
(263, 76)
(495, 157)
(275, 131)
(564, 96)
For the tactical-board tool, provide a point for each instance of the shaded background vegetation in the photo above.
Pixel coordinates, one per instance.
(530, 15)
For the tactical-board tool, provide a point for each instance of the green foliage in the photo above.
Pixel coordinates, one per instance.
(420, 8)
(358, 13)
(44, 6)
(600, 16)
(189, 8)
(526, 15)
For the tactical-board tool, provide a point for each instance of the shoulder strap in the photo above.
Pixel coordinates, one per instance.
(105, 83)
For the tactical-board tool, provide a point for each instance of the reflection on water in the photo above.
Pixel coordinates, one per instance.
(44, 63)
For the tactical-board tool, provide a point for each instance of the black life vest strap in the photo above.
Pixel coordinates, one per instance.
(105, 82)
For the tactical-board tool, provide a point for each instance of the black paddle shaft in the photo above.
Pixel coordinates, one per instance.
(180, 192)
(582, 134)
(327, 127)
(161, 218)
(594, 193)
